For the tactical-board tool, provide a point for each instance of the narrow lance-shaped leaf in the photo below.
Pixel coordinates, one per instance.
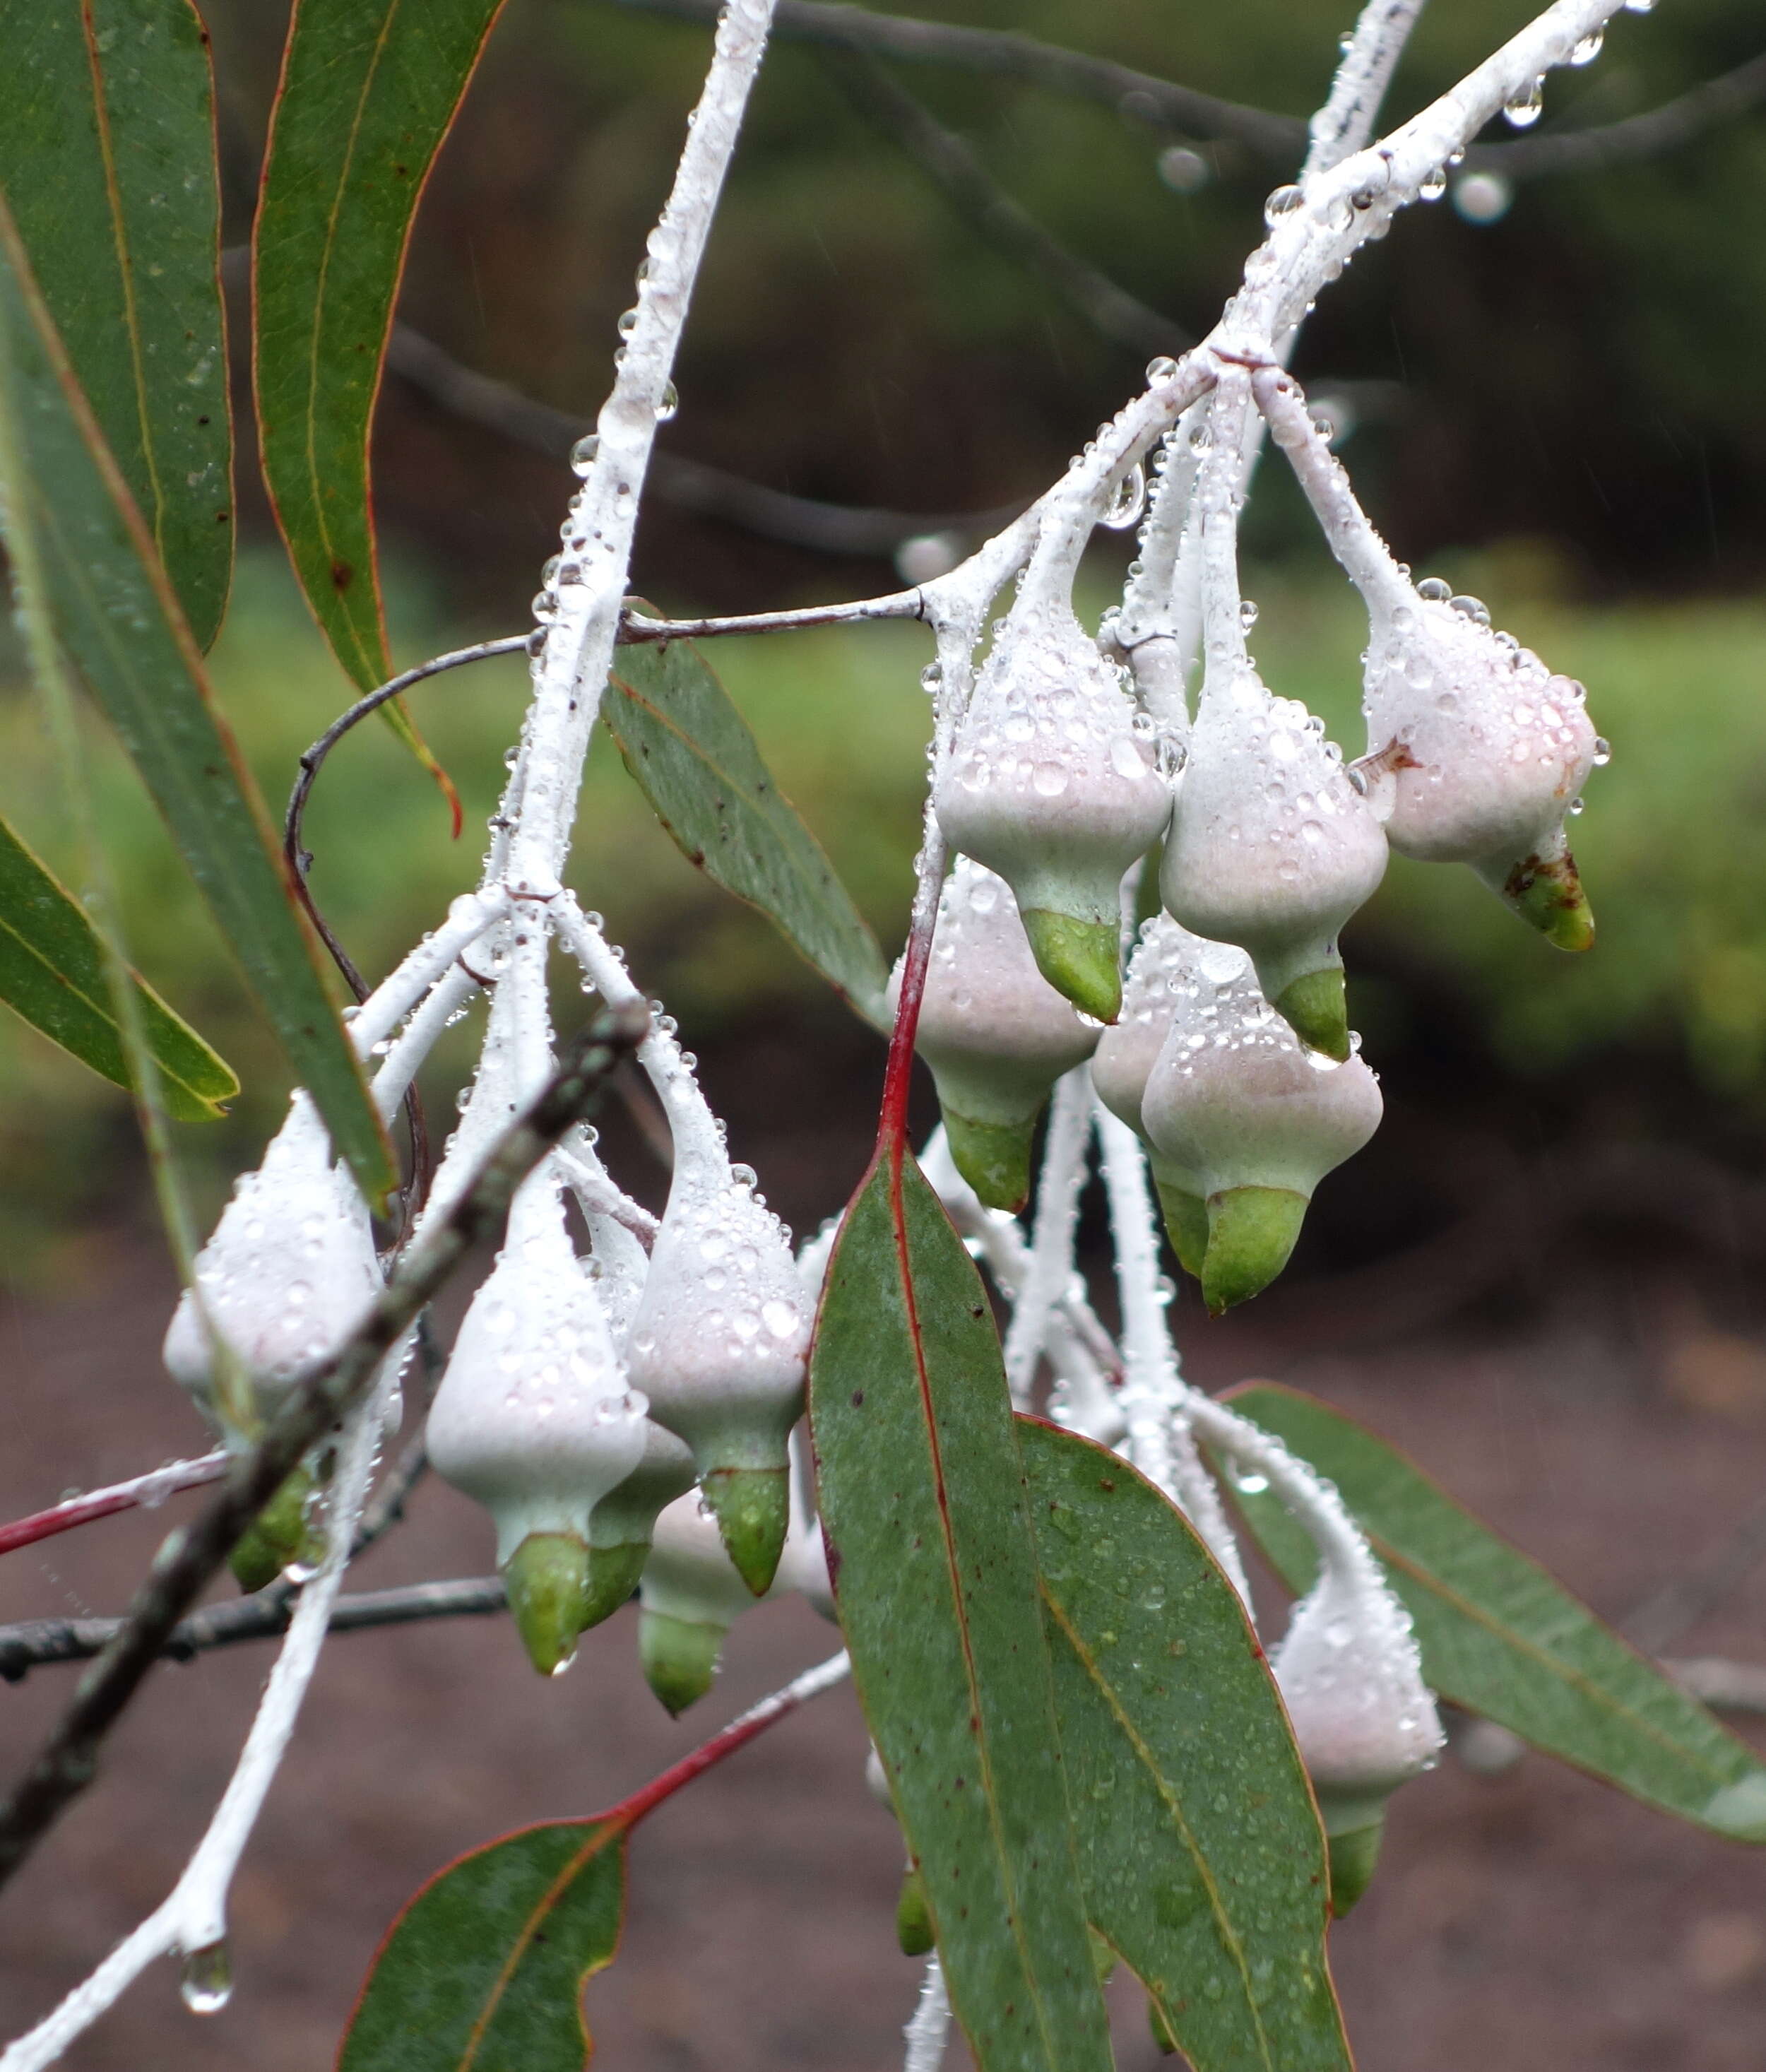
(369, 90)
(922, 1498)
(1500, 1637)
(484, 1969)
(107, 157)
(1200, 1851)
(690, 749)
(107, 599)
(52, 975)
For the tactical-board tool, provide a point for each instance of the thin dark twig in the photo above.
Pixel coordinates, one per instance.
(690, 485)
(1161, 103)
(68, 1760)
(35, 1644)
(973, 192)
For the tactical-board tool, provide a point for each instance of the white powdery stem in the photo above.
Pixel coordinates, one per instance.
(1364, 555)
(1155, 1401)
(1346, 120)
(690, 1118)
(1220, 493)
(405, 1054)
(579, 1166)
(572, 670)
(1049, 1268)
(929, 2029)
(395, 997)
(193, 1917)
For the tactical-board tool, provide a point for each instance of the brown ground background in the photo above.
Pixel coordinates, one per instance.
(1530, 1923)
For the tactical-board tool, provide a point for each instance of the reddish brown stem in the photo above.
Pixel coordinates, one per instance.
(150, 1489)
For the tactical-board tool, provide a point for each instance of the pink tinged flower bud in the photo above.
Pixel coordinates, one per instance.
(287, 1275)
(534, 1418)
(719, 1344)
(1053, 782)
(996, 1034)
(1271, 847)
(1169, 969)
(1365, 1723)
(1255, 1122)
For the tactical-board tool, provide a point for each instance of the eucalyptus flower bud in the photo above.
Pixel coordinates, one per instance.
(286, 1276)
(533, 1418)
(1351, 1677)
(1169, 969)
(623, 1523)
(1053, 782)
(1255, 1121)
(1271, 847)
(1487, 750)
(994, 1033)
(719, 1344)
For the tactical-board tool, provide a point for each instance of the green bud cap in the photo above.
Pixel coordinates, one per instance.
(279, 1537)
(546, 1578)
(994, 1157)
(752, 1507)
(1315, 1007)
(1547, 894)
(679, 1657)
(613, 1579)
(914, 1916)
(1251, 1231)
(1352, 1856)
(1186, 1224)
(1081, 959)
(1161, 2029)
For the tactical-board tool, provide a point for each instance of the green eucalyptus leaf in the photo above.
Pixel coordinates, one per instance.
(107, 159)
(1500, 1637)
(52, 975)
(105, 599)
(922, 1498)
(1200, 1851)
(699, 767)
(485, 1968)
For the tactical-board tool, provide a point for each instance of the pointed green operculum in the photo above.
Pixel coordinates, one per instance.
(994, 1157)
(1081, 959)
(752, 1507)
(1161, 2029)
(679, 1657)
(280, 1536)
(613, 1573)
(1352, 1856)
(1546, 893)
(1316, 1007)
(1186, 1224)
(914, 1916)
(546, 1578)
(1252, 1231)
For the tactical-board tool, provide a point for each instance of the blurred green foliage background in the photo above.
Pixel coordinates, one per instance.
(1559, 411)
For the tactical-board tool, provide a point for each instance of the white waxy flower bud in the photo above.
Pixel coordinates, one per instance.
(994, 1033)
(534, 1418)
(1169, 968)
(622, 1525)
(1352, 1679)
(1255, 1121)
(288, 1273)
(719, 1343)
(1053, 782)
(691, 1596)
(1271, 846)
(1477, 750)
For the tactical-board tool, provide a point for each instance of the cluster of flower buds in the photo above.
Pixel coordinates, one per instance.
(1352, 1680)
(1052, 781)
(535, 1420)
(1241, 1121)
(996, 1034)
(1477, 750)
(286, 1276)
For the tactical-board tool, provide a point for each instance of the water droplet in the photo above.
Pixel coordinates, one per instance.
(1527, 106)
(206, 1982)
(1434, 589)
(1163, 369)
(1602, 752)
(1049, 780)
(1589, 48)
(1434, 185)
(1247, 614)
(1283, 202)
(1128, 501)
(669, 404)
(582, 453)
(1251, 1484)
